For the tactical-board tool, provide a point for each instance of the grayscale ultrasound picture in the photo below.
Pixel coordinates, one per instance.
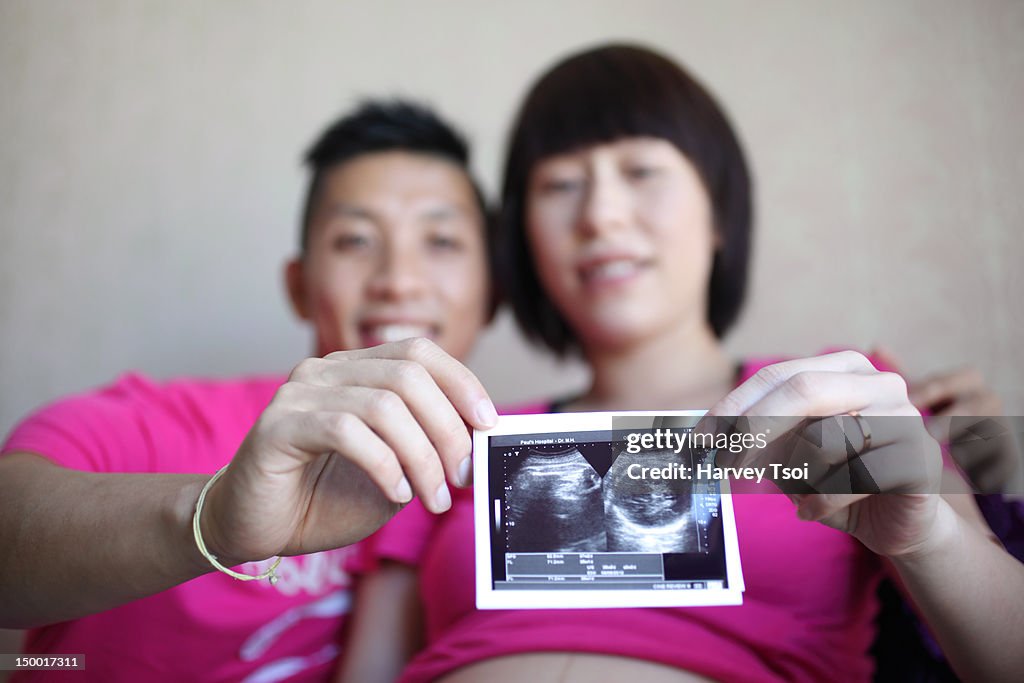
(581, 499)
(645, 515)
(555, 503)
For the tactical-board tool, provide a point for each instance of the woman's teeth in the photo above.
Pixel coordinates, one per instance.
(611, 270)
(394, 333)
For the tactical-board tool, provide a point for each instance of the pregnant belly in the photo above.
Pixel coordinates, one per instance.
(569, 667)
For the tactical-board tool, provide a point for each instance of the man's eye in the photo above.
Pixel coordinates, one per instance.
(350, 242)
(561, 185)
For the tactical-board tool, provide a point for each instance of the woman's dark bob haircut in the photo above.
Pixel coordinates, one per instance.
(599, 96)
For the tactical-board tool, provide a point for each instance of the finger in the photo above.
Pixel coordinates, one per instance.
(811, 393)
(979, 404)
(458, 383)
(944, 425)
(739, 400)
(939, 389)
(389, 417)
(386, 414)
(836, 457)
(315, 433)
(429, 406)
(822, 506)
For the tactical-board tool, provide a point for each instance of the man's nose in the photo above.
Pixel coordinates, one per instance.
(400, 273)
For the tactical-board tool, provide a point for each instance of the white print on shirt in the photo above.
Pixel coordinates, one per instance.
(315, 574)
(289, 666)
(330, 606)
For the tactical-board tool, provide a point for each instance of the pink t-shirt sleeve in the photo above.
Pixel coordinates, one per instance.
(93, 432)
(403, 540)
(138, 425)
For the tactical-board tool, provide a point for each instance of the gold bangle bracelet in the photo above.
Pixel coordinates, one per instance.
(269, 574)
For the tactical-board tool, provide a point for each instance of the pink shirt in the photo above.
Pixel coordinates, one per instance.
(808, 609)
(213, 628)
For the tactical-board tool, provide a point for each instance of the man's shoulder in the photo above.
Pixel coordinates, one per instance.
(138, 423)
(181, 397)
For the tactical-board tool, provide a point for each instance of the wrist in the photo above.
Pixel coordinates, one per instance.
(181, 520)
(207, 509)
(944, 536)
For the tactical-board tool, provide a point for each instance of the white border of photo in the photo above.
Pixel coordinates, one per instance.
(487, 597)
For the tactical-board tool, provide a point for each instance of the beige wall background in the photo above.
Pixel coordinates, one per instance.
(150, 181)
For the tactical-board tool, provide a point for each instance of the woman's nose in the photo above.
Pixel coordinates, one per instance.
(605, 206)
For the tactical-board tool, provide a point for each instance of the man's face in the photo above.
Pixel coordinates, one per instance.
(395, 250)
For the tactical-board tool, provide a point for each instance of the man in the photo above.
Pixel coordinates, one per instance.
(392, 257)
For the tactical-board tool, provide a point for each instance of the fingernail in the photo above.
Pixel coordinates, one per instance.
(443, 499)
(465, 471)
(403, 491)
(485, 413)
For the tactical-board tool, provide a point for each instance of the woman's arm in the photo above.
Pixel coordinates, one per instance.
(386, 628)
(970, 591)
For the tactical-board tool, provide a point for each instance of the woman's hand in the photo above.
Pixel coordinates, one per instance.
(886, 449)
(344, 443)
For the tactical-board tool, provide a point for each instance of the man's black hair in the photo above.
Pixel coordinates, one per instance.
(382, 126)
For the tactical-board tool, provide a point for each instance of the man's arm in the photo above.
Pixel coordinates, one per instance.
(78, 542)
(342, 445)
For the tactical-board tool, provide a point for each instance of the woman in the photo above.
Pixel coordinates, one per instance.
(624, 236)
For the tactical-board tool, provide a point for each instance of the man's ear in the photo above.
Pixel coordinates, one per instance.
(295, 282)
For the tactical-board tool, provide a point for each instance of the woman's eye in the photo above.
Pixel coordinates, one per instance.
(444, 242)
(641, 172)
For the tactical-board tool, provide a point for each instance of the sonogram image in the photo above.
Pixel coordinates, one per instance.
(555, 504)
(558, 500)
(644, 515)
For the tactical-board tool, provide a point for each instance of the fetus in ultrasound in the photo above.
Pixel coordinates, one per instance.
(648, 515)
(555, 504)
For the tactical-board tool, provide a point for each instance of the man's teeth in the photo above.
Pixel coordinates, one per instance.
(614, 269)
(394, 333)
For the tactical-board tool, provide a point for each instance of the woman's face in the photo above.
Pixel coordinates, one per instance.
(621, 234)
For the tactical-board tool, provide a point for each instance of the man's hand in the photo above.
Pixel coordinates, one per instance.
(344, 443)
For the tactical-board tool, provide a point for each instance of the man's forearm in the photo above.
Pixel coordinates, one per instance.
(76, 543)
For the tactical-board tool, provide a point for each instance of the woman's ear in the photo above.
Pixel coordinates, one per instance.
(295, 282)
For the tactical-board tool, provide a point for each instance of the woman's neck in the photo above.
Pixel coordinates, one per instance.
(684, 368)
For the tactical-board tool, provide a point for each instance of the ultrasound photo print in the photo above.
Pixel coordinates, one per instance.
(580, 498)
